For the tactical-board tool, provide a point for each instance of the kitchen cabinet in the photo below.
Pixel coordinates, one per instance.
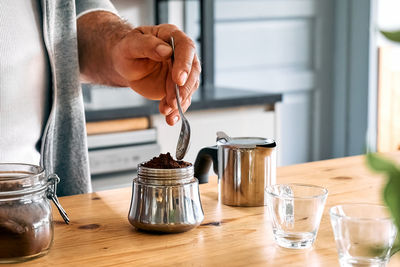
(243, 121)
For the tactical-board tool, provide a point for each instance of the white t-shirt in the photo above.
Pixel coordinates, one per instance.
(24, 81)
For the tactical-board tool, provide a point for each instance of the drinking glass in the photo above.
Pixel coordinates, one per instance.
(364, 234)
(296, 211)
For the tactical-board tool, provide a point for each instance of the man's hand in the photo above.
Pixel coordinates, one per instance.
(142, 58)
(139, 58)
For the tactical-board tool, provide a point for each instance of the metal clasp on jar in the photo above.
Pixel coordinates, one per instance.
(53, 180)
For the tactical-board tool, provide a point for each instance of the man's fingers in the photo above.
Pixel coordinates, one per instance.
(146, 45)
(170, 91)
(173, 117)
(185, 71)
(168, 106)
(185, 52)
(139, 82)
(163, 107)
(192, 82)
(186, 104)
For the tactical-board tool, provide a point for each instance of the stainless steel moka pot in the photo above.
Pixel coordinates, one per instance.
(245, 167)
(165, 200)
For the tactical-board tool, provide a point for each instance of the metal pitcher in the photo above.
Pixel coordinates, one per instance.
(245, 167)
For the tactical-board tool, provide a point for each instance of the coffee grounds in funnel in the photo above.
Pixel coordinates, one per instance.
(165, 161)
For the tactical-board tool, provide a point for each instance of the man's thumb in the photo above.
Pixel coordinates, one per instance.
(148, 46)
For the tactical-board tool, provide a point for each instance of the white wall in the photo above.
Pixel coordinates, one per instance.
(387, 18)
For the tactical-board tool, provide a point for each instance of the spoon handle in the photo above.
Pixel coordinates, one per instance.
(177, 100)
(176, 86)
(184, 135)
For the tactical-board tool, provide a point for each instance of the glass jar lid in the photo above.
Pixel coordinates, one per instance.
(18, 179)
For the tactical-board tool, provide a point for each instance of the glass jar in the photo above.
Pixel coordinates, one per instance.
(26, 224)
(165, 200)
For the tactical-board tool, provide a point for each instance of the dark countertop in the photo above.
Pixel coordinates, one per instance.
(211, 98)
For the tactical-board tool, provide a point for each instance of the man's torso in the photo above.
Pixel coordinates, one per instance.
(24, 81)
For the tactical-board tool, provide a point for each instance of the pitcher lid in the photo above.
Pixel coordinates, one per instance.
(247, 142)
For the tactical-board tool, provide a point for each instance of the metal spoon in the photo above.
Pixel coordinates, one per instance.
(184, 135)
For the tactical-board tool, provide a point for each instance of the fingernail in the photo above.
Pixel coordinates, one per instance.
(163, 50)
(175, 119)
(183, 78)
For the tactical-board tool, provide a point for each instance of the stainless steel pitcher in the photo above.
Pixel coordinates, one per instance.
(245, 167)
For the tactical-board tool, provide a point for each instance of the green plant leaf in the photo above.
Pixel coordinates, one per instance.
(391, 191)
(380, 164)
(395, 247)
(393, 36)
(392, 198)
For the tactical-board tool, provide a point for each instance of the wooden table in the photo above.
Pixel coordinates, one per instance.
(100, 234)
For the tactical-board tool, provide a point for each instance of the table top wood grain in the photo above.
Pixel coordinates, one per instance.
(100, 234)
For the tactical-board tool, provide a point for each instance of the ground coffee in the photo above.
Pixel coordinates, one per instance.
(24, 230)
(165, 161)
(25, 224)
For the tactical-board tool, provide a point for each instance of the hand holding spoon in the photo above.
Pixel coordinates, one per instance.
(184, 135)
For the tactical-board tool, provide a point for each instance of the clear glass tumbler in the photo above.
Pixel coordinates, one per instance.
(296, 211)
(364, 234)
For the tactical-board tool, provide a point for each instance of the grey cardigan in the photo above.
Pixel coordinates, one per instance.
(64, 148)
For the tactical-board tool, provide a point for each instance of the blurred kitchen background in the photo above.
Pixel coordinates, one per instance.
(316, 75)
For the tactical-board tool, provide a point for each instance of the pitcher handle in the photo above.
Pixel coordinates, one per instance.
(205, 157)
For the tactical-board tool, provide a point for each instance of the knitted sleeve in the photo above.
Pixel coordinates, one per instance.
(85, 6)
